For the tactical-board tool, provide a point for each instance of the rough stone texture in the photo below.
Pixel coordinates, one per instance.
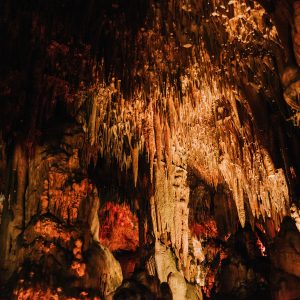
(177, 285)
(285, 260)
(159, 89)
(119, 227)
(61, 229)
(286, 249)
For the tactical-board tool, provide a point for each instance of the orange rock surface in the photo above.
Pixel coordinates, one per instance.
(119, 227)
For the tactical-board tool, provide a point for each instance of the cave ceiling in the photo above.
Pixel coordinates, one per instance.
(149, 78)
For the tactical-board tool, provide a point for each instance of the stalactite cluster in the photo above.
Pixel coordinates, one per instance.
(204, 109)
(189, 109)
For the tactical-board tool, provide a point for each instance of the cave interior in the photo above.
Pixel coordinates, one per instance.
(150, 149)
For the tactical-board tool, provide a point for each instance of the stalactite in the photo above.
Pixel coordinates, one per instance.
(92, 121)
(187, 108)
(185, 235)
(268, 163)
(135, 162)
(158, 132)
(178, 224)
(237, 189)
(154, 217)
(168, 147)
(151, 141)
(171, 113)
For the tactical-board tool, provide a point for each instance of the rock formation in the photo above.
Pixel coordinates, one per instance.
(149, 149)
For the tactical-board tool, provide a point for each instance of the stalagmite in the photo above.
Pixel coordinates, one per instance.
(93, 215)
(177, 285)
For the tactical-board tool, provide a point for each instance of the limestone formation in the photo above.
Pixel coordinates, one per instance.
(155, 141)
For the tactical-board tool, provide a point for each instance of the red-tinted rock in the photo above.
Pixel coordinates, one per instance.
(118, 227)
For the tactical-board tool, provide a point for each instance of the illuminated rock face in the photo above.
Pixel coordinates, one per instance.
(165, 128)
(119, 227)
(59, 246)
